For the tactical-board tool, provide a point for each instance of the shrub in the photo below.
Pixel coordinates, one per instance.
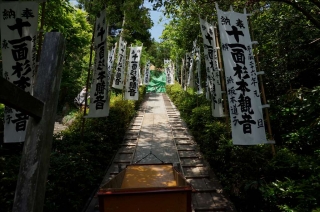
(254, 179)
(78, 162)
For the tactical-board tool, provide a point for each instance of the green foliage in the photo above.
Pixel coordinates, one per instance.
(77, 163)
(254, 179)
(295, 181)
(137, 18)
(298, 116)
(10, 156)
(72, 23)
(287, 56)
(1, 112)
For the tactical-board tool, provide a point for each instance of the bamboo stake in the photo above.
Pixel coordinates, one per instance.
(87, 83)
(88, 77)
(222, 77)
(113, 72)
(181, 77)
(125, 73)
(126, 61)
(43, 7)
(40, 34)
(264, 99)
(125, 55)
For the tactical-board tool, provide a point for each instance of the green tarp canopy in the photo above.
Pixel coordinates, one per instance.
(157, 82)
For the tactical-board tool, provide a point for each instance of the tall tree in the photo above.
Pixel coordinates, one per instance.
(288, 57)
(308, 8)
(137, 17)
(72, 23)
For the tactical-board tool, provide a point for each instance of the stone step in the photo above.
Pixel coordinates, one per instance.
(196, 176)
(125, 152)
(204, 190)
(122, 161)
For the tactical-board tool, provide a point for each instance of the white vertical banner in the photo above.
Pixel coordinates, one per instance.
(185, 71)
(190, 82)
(198, 70)
(169, 74)
(118, 80)
(111, 56)
(140, 77)
(19, 22)
(212, 69)
(99, 104)
(132, 81)
(146, 77)
(241, 78)
(207, 90)
(183, 66)
(176, 69)
(172, 73)
(166, 68)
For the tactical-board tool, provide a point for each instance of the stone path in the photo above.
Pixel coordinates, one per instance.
(156, 135)
(59, 127)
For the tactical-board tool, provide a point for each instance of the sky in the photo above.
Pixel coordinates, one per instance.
(157, 28)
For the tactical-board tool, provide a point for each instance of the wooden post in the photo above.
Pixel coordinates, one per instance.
(30, 190)
(15, 97)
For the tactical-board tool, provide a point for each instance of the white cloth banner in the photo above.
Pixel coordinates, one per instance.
(146, 77)
(186, 70)
(169, 74)
(176, 71)
(118, 80)
(190, 82)
(207, 90)
(140, 77)
(167, 70)
(99, 104)
(183, 67)
(132, 82)
(111, 56)
(173, 73)
(19, 22)
(212, 69)
(241, 78)
(198, 66)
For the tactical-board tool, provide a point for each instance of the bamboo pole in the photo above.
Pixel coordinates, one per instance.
(181, 77)
(88, 81)
(113, 72)
(126, 61)
(125, 55)
(264, 99)
(125, 73)
(222, 77)
(43, 7)
(88, 77)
